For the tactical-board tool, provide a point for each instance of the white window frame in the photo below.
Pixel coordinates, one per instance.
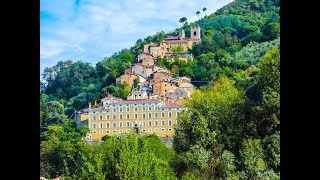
(120, 124)
(162, 114)
(114, 124)
(107, 125)
(100, 117)
(163, 123)
(156, 123)
(100, 132)
(149, 122)
(114, 116)
(149, 129)
(107, 116)
(155, 130)
(143, 115)
(120, 131)
(155, 114)
(170, 114)
(150, 115)
(94, 125)
(94, 117)
(127, 124)
(100, 125)
(135, 116)
(170, 123)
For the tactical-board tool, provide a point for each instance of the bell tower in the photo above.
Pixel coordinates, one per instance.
(182, 34)
(195, 32)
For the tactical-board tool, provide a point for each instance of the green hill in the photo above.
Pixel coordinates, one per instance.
(223, 34)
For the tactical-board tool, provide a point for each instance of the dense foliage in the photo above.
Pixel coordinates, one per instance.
(230, 130)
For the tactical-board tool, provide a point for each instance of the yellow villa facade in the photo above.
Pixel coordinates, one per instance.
(147, 116)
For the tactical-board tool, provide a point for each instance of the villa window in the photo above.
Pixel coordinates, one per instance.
(114, 125)
(135, 116)
(94, 125)
(108, 117)
(155, 114)
(170, 123)
(143, 115)
(169, 114)
(169, 129)
(150, 123)
(155, 123)
(128, 116)
(100, 117)
(120, 116)
(107, 125)
(163, 123)
(100, 132)
(128, 124)
(162, 114)
(120, 124)
(143, 123)
(100, 125)
(150, 116)
(114, 116)
(94, 117)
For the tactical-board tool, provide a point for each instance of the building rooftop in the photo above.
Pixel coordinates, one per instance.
(153, 45)
(174, 41)
(172, 38)
(135, 101)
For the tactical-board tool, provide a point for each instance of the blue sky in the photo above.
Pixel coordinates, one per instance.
(90, 30)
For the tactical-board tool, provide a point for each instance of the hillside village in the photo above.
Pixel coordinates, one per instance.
(154, 89)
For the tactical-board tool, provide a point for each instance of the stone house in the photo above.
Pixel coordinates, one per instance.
(168, 45)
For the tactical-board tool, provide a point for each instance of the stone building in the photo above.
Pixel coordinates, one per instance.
(169, 45)
(138, 93)
(160, 88)
(177, 94)
(145, 116)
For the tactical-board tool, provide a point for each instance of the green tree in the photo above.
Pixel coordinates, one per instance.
(204, 10)
(198, 14)
(183, 20)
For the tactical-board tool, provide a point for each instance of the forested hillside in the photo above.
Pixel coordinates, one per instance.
(231, 129)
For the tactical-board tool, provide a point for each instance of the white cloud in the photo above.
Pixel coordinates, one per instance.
(97, 28)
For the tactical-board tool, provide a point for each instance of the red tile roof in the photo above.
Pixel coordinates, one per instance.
(135, 101)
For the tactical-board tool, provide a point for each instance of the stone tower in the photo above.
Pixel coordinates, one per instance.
(182, 34)
(195, 32)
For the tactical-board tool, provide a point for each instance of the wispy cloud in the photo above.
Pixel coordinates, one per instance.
(92, 29)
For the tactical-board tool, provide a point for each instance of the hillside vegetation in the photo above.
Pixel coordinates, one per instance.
(231, 129)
